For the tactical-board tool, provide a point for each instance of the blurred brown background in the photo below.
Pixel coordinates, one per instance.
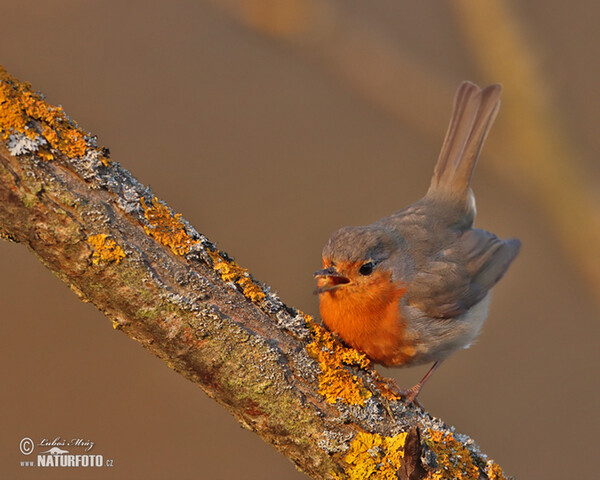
(269, 124)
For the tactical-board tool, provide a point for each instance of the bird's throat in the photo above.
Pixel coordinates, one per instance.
(368, 319)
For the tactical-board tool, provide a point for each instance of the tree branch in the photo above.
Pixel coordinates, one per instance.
(168, 287)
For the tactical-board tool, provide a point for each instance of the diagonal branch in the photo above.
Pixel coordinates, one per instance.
(168, 287)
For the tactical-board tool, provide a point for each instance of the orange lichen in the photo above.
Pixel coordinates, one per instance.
(494, 471)
(335, 381)
(167, 228)
(373, 456)
(454, 461)
(232, 272)
(25, 111)
(105, 249)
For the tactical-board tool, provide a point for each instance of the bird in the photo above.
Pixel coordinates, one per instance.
(414, 287)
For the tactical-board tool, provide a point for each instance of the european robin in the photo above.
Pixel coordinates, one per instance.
(414, 287)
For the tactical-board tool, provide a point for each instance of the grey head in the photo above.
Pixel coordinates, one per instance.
(366, 248)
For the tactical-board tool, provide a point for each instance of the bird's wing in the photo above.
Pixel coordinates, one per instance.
(461, 275)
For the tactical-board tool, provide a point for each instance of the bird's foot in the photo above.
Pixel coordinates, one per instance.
(409, 395)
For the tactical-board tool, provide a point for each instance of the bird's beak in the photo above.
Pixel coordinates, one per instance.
(329, 279)
(327, 272)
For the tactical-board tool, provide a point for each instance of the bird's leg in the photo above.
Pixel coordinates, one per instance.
(412, 393)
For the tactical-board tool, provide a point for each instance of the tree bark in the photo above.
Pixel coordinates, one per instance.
(165, 285)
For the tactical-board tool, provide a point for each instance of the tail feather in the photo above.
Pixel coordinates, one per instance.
(474, 112)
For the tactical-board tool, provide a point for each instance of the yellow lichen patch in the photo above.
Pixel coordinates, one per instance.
(25, 111)
(44, 154)
(232, 272)
(335, 381)
(167, 228)
(374, 457)
(454, 461)
(494, 471)
(105, 249)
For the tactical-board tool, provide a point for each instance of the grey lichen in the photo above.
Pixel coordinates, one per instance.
(20, 144)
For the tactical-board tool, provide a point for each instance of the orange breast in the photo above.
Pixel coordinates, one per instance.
(367, 317)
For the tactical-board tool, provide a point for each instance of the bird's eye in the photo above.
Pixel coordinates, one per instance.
(366, 269)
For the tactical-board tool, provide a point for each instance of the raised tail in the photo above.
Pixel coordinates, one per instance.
(474, 112)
